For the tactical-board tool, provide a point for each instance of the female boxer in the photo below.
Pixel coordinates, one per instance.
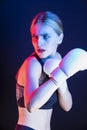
(41, 79)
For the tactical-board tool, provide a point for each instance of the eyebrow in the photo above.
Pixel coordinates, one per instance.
(41, 34)
(44, 34)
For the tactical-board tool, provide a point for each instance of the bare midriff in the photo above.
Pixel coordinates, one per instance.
(38, 120)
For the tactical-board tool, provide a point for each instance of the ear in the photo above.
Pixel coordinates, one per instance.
(60, 38)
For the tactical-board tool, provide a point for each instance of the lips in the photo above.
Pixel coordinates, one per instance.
(41, 50)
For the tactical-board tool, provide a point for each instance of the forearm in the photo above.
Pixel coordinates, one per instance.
(65, 99)
(70, 64)
(41, 95)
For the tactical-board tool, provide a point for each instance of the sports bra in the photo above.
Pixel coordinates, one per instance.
(43, 78)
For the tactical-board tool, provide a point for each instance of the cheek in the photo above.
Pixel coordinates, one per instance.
(51, 44)
(53, 47)
(50, 48)
(34, 42)
(34, 45)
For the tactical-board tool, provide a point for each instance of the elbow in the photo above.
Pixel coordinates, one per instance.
(30, 107)
(68, 107)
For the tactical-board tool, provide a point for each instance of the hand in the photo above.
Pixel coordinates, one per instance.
(73, 62)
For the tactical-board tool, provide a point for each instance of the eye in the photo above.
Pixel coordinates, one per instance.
(46, 36)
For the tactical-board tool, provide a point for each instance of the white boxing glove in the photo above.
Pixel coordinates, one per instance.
(50, 65)
(73, 62)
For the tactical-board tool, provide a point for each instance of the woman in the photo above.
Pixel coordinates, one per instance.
(36, 92)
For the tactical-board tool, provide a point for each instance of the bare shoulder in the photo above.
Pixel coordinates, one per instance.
(29, 69)
(33, 65)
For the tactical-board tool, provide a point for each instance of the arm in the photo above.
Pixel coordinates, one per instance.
(65, 97)
(34, 95)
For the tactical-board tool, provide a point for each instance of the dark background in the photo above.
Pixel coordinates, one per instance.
(15, 19)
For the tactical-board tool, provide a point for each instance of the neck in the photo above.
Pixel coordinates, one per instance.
(48, 57)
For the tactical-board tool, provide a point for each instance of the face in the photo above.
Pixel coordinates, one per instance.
(45, 40)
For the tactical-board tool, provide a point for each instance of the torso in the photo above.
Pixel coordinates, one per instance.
(38, 120)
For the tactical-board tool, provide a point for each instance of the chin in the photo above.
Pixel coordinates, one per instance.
(42, 55)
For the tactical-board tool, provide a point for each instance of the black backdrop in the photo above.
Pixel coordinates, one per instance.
(15, 19)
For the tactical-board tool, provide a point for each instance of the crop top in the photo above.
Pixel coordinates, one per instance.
(43, 78)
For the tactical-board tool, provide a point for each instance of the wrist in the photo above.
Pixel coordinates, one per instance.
(58, 77)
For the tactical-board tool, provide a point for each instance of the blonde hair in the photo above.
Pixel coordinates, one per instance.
(50, 19)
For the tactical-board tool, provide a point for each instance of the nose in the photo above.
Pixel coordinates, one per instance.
(40, 41)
